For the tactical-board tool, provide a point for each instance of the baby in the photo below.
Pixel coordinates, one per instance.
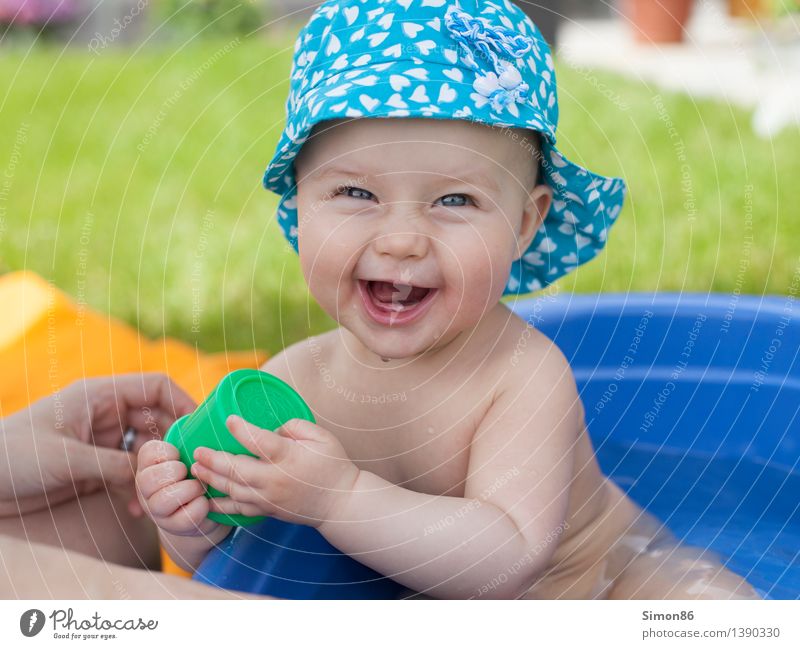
(421, 183)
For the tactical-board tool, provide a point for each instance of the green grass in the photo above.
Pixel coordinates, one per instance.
(180, 238)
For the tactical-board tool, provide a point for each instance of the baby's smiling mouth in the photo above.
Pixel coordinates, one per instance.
(394, 303)
(396, 297)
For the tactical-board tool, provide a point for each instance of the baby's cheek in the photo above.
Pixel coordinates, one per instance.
(478, 269)
(309, 239)
(326, 260)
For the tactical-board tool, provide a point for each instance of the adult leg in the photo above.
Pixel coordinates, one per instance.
(98, 525)
(36, 571)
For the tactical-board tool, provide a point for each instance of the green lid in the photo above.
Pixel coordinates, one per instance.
(259, 398)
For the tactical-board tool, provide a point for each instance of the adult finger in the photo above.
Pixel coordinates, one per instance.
(156, 391)
(146, 424)
(135, 507)
(86, 462)
(132, 391)
(150, 423)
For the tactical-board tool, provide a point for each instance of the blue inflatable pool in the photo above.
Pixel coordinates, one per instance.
(692, 404)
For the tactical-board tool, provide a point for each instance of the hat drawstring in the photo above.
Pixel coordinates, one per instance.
(505, 87)
(488, 40)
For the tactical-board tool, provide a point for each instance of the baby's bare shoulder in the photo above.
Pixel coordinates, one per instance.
(299, 364)
(529, 362)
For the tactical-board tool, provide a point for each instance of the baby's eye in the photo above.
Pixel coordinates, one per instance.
(456, 200)
(356, 192)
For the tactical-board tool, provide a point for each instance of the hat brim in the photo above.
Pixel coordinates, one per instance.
(585, 204)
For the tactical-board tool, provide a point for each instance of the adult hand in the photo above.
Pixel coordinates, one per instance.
(68, 444)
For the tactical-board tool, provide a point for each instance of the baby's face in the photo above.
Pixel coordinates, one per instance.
(407, 228)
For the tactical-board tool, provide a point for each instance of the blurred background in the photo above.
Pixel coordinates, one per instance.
(134, 134)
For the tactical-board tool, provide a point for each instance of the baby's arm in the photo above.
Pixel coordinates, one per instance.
(493, 542)
(497, 539)
(177, 506)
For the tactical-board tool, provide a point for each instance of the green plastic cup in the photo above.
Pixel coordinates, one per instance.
(257, 397)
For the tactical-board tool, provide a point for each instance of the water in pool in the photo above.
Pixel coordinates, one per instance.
(748, 512)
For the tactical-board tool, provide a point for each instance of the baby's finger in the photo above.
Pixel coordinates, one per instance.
(226, 485)
(239, 468)
(152, 478)
(164, 502)
(263, 443)
(155, 452)
(231, 506)
(189, 519)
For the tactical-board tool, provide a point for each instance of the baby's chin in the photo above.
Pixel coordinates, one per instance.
(388, 346)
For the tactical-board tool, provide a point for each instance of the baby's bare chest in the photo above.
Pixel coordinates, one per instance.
(418, 437)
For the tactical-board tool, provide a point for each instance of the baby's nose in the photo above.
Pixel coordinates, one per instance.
(401, 245)
(401, 236)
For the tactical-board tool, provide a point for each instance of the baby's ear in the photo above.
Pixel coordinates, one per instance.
(533, 214)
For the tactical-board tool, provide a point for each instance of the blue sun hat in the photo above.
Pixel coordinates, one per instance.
(473, 60)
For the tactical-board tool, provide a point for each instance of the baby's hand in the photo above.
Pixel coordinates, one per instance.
(302, 472)
(176, 504)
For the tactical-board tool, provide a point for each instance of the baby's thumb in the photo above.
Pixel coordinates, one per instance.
(86, 462)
